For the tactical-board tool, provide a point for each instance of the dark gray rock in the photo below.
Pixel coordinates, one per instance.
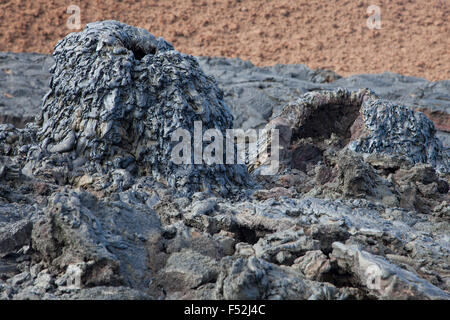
(256, 279)
(121, 108)
(105, 293)
(24, 79)
(253, 93)
(411, 91)
(14, 236)
(383, 279)
(313, 265)
(285, 246)
(396, 129)
(101, 243)
(356, 119)
(190, 269)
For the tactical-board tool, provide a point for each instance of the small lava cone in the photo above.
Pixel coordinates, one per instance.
(117, 95)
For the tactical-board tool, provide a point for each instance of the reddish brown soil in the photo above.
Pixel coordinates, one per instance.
(414, 38)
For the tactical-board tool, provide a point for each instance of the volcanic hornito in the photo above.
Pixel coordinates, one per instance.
(116, 95)
(357, 120)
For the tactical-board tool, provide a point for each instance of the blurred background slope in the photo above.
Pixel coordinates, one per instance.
(414, 38)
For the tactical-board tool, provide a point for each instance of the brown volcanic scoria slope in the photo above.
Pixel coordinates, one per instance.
(414, 38)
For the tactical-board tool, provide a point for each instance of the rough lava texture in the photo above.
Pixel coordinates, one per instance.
(319, 120)
(358, 210)
(117, 95)
(396, 129)
(253, 94)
